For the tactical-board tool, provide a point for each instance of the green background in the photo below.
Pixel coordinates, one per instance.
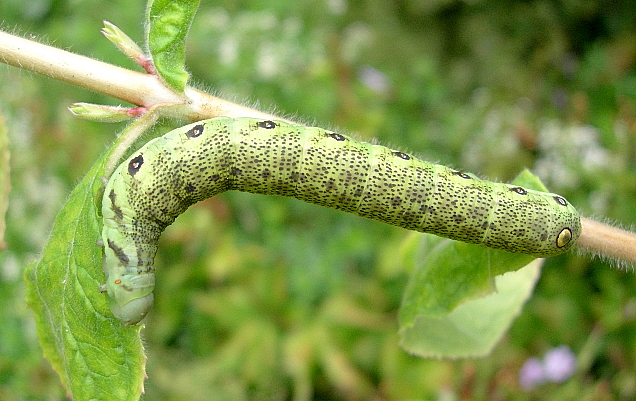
(270, 298)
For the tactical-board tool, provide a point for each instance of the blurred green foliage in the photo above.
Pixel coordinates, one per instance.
(269, 298)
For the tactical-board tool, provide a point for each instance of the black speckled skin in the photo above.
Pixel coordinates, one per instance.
(161, 180)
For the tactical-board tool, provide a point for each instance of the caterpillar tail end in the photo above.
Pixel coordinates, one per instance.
(130, 298)
(134, 311)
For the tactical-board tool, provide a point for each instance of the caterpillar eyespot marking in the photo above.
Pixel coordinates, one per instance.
(161, 180)
(561, 201)
(337, 137)
(195, 131)
(462, 175)
(266, 124)
(135, 164)
(401, 155)
(564, 238)
(519, 190)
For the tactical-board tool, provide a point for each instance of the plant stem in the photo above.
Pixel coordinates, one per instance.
(137, 88)
(607, 241)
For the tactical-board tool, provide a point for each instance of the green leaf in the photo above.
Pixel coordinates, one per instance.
(167, 28)
(451, 273)
(444, 312)
(95, 356)
(474, 327)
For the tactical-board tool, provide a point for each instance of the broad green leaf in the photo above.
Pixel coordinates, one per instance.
(95, 356)
(168, 22)
(447, 274)
(451, 273)
(474, 327)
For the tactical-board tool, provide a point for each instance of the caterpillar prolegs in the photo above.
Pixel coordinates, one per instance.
(167, 175)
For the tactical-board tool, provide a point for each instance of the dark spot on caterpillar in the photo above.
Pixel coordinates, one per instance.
(458, 218)
(235, 171)
(337, 137)
(344, 200)
(267, 124)
(266, 173)
(561, 201)
(140, 256)
(190, 188)
(119, 214)
(195, 131)
(303, 178)
(121, 256)
(462, 175)
(401, 155)
(484, 225)
(544, 236)
(396, 201)
(159, 223)
(519, 190)
(135, 164)
(295, 176)
(124, 286)
(564, 238)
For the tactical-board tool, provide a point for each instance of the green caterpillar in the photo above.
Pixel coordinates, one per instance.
(161, 180)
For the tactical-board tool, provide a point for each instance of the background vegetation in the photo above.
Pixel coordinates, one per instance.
(269, 298)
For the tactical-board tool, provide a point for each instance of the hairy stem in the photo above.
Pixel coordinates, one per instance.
(607, 241)
(133, 87)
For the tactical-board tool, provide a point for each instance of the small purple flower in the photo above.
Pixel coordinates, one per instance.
(559, 364)
(531, 374)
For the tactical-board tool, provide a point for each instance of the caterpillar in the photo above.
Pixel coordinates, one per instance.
(197, 161)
